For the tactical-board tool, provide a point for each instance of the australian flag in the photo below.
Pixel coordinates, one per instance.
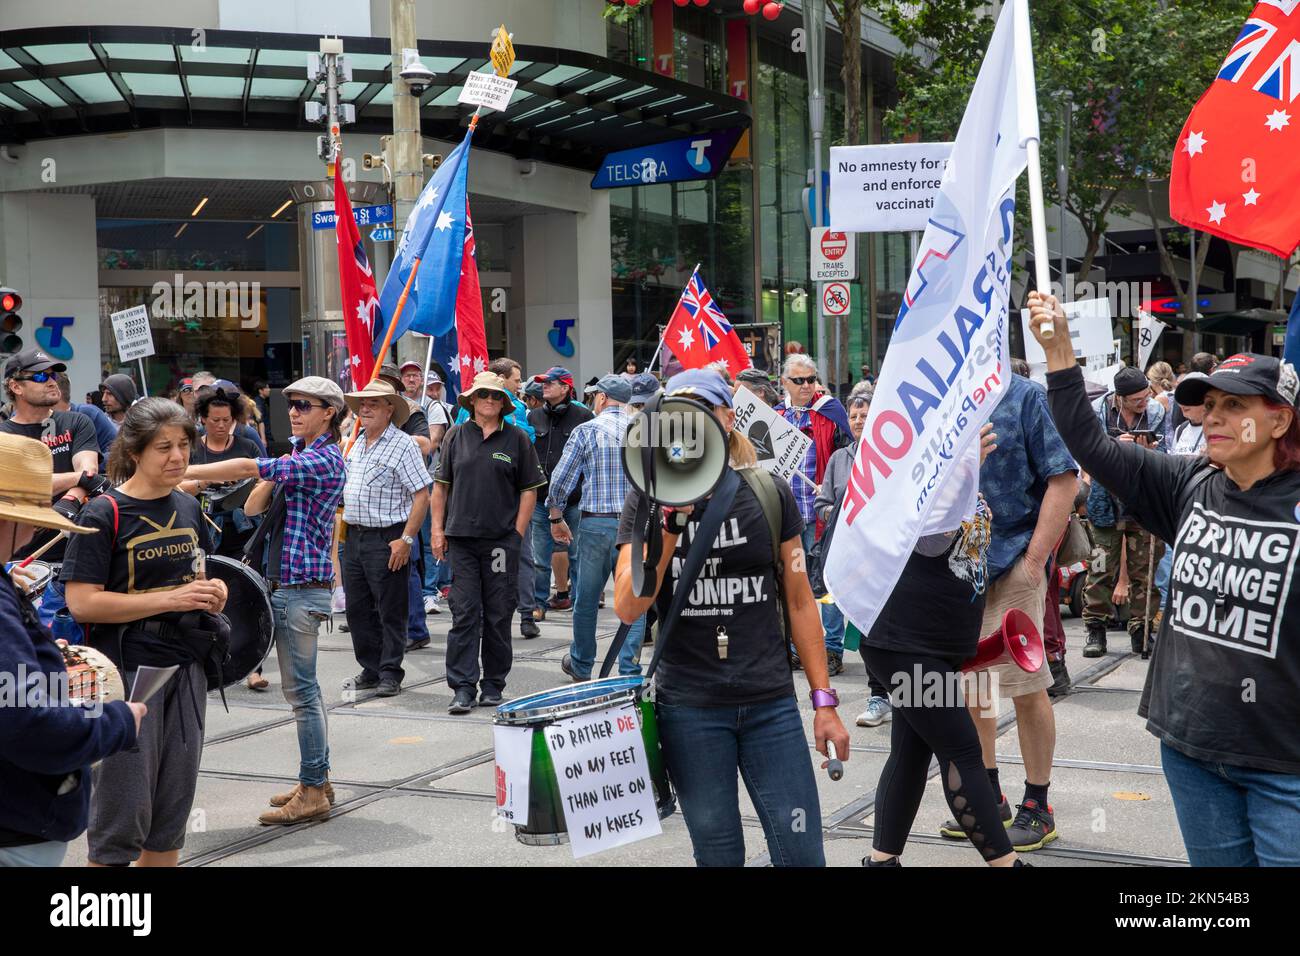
(434, 235)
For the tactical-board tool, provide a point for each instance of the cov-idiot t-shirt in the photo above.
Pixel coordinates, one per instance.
(152, 550)
(736, 589)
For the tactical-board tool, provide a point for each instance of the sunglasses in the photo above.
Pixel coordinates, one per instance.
(484, 393)
(805, 380)
(39, 377)
(302, 405)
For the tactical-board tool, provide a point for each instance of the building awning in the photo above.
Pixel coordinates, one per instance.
(570, 107)
(1245, 322)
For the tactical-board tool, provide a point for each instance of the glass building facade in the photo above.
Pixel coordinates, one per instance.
(750, 238)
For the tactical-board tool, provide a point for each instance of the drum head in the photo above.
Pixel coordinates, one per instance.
(249, 610)
(569, 701)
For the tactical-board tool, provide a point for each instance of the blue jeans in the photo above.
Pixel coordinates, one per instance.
(832, 618)
(298, 615)
(417, 629)
(597, 553)
(544, 547)
(1163, 570)
(1234, 816)
(48, 854)
(703, 748)
(430, 582)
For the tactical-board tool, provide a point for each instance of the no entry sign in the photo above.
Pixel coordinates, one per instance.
(836, 299)
(834, 255)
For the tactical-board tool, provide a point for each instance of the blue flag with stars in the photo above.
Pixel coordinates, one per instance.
(434, 234)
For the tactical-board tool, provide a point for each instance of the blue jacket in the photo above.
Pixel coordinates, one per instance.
(44, 742)
(105, 427)
(1104, 509)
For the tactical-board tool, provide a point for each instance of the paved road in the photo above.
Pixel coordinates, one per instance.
(415, 785)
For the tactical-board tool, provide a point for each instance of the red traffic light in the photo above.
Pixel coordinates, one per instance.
(10, 301)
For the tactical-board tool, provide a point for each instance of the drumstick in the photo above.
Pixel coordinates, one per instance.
(835, 768)
(42, 549)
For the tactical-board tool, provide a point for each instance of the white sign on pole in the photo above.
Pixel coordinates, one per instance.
(837, 299)
(781, 447)
(834, 255)
(487, 90)
(1090, 331)
(605, 786)
(887, 188)
(1149, 329)
(514, 754)
(133, 334)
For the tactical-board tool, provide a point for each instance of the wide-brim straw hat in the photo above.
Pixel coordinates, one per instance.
(380, 389)
(26, 484)
(493, 382)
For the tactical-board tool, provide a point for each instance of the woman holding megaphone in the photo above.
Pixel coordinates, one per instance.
(1223, 689)
(725, 695)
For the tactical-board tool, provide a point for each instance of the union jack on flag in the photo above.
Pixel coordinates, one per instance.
(712, 324)
(1267, 67)
(697, 313)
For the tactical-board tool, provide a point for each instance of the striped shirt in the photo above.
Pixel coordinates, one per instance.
(594, 453)
(383, 479)
(313, 478)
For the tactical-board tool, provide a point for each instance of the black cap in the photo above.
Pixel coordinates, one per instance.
(1244, 374)
(32, 360)
(1129, 381)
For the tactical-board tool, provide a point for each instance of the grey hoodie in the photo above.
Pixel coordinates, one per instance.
(123, 389)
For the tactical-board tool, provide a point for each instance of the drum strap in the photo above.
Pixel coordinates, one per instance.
(715, 510)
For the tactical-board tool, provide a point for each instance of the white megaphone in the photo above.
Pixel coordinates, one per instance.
(674, 453)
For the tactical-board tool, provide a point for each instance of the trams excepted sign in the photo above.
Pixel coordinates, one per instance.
(836, 299)
(834, 255)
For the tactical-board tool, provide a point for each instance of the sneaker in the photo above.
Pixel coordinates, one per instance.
(529, 629)
(892, 861)
(1096, 646)
(432, 605)
(416, 644)
(878, 711)
(489, 698)
(834, 663)
(1060, 679)
(463, 702)
(338, 601)
(561, 601)
(1034, 827)
(566, 665)
(388, 687)
(445, 592)
(362, 682)
(953, 831)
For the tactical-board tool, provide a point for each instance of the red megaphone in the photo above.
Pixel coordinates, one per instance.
(1017, 640)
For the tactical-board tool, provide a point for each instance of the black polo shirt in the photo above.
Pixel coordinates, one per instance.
(485, 477)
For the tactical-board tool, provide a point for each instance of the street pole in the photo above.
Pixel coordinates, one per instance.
(814, 24)
(408, 176)
(1196, 334)
(1063, 180)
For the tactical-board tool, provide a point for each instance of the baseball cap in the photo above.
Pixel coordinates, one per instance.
(556, 373)
(433, 378)
(313, 386)
(406, 365)
(701, 383)
(533, 389)
(1129, 381)
(32, 360)
(1244, 374)
(390, 372)
(591, 385)
(616, 387)
(644, 387)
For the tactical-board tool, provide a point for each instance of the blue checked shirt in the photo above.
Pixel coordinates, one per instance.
(594, 453)
(314, 477)
(383, 479)
(804, 495)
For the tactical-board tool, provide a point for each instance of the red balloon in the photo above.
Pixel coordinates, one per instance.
(753, 6)
(770, 10)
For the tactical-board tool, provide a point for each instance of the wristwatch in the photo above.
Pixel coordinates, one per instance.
(825, 697)
(410, 542)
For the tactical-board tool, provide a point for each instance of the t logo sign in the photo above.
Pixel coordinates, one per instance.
(50, 336)
(558, 336)
(696, 155)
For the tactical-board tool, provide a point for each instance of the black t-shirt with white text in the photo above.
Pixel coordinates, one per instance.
(151, 550)
(736, 589)
(66, 434)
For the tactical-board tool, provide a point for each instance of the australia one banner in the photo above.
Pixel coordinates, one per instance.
(946, 367)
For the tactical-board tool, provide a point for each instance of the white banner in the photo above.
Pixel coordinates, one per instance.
(781, 447)
(948, 362)
(514, 757)
(1090, 331)
(605, 786)
(133, 333)
(487, 90)
(886, 188)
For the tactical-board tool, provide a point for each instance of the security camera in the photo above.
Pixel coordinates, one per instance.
(418, 77)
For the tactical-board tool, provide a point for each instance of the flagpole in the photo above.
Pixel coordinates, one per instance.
(1027, 107)
(660, 349)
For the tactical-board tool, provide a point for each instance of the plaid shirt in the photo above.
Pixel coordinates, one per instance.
(314, 477)
(383, 479)
(804, 495)
(594, 453)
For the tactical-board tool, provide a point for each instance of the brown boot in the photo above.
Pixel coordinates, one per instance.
(280, 799)
(309, 803)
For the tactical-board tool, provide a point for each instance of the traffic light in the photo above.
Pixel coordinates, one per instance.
(11, 323)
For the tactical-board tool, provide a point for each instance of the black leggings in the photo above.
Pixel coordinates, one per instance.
(923, 728)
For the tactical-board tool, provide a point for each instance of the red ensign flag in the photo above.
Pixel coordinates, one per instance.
(357, 292)
(699, 334)
(1236, 169)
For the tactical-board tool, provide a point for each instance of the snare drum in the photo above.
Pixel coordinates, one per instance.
(248, 607)
(33, 579)
(545, 825)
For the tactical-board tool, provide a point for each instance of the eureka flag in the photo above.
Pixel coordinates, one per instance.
(917, 465)
(1236, 167)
